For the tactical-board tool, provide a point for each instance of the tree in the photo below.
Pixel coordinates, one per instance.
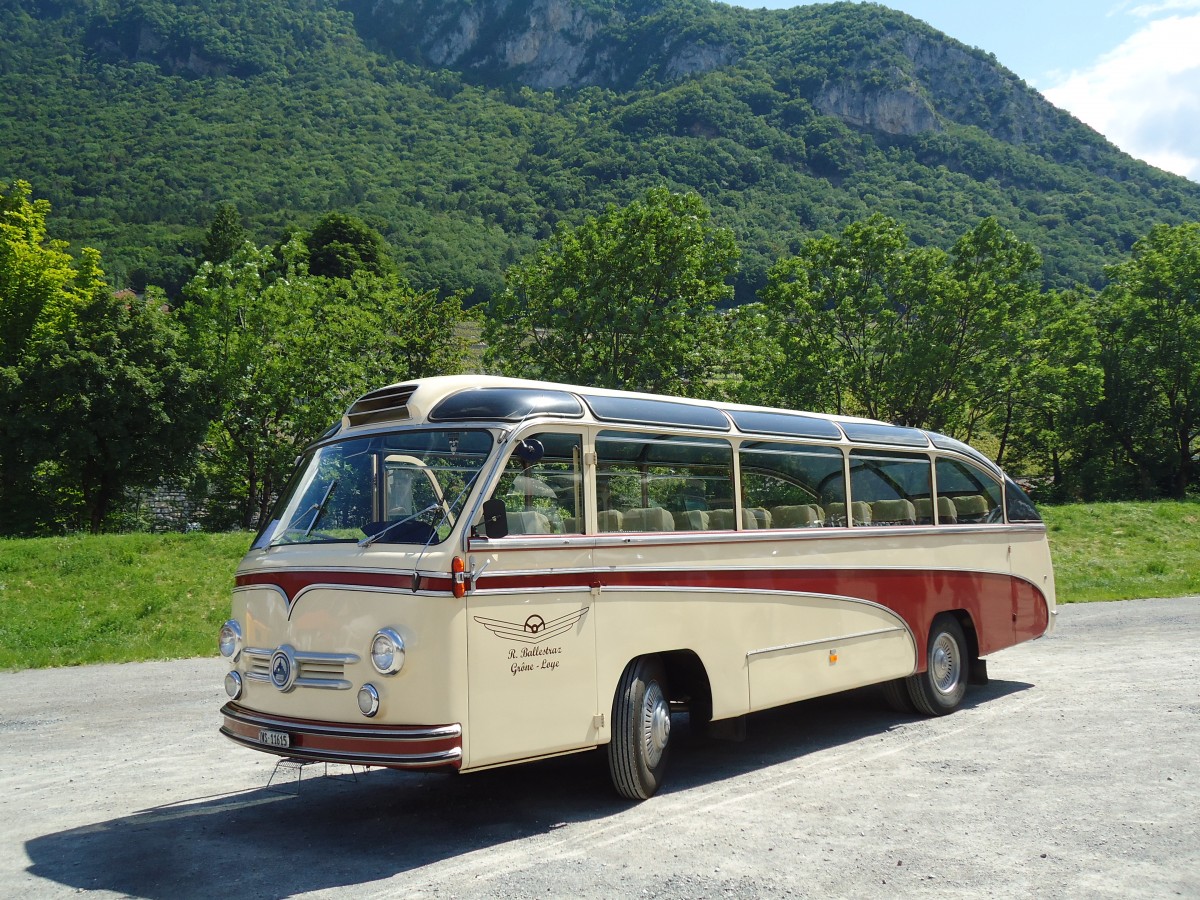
(225, 235)
(40, 286)
(1150, 321)
(111, 403)
(341, 245)
(1048, 420)
(286, 352)
(41, 290)
(626, 300)
(870, 325)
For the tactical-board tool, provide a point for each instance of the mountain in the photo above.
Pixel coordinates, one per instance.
(466, 130)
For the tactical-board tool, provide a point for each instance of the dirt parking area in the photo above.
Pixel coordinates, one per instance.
(1074, 773)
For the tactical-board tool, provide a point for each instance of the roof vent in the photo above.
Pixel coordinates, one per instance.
(382, 405)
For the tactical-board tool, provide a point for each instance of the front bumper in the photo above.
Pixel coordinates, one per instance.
(393, 746)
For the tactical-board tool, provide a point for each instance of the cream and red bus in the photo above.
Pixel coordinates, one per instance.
(469, 572)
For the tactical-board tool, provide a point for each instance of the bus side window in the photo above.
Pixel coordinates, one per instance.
(797, 486)
(663, 482)
(546, 496)
(895, 487)
(966, 494)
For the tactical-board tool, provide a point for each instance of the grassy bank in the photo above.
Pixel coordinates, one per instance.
(120, 598)
(114, 598)
(1121, 551)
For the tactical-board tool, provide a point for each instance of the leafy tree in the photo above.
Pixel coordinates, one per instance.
(225, 235)
(286, 352)
(870, 325)
(40, 286)
(628, 299)
(1150, 323)
(341, 245)
(111, 404)
(41, 290)
(1047, 422)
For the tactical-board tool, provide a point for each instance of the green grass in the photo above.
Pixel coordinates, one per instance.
(121, 598)
(1124, 551)
(114, 598)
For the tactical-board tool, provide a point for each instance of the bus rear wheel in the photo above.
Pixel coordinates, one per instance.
(641, 729)
(941, 687)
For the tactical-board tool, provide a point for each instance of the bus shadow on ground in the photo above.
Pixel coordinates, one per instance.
(335, 832)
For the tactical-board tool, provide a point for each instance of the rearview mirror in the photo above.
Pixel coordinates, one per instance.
(495, 518)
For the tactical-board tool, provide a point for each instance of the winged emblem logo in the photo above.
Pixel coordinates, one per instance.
(535, 629)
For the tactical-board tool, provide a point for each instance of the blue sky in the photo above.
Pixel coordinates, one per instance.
(1128, 68)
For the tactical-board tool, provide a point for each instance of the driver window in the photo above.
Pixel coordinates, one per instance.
(544, 495)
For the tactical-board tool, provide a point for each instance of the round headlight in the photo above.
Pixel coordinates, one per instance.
(230, 639)
(368, 700)
(387, 651)
(233, 685)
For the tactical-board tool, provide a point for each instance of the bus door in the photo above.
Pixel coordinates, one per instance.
(531, 625)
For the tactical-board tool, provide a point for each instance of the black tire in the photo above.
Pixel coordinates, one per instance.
(941, 687)
(896, 695)
(641, 729)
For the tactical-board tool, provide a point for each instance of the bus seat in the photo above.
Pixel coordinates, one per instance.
(528, 521)
(924, 508)
(651, 518)
(860, 509)
(722, 519)
(609, 520)
(762, 517)
(695, 519)
(893, 512)
(947, 512)
(971, 508)
(805, 516)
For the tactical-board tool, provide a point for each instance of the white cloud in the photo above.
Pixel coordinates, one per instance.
(1144, 96)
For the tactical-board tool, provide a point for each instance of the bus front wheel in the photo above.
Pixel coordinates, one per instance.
(641, 729)
(941, 687)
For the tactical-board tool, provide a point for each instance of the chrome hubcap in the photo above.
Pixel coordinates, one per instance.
(945, 665)
(656, 723)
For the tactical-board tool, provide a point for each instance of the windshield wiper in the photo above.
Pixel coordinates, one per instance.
(372, 538)
(320, 508)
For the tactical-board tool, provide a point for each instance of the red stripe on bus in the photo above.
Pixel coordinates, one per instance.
(1005, 610)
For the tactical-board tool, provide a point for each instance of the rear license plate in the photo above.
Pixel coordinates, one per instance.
(274, 738)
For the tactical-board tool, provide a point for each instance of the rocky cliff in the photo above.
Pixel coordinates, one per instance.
(545, 44)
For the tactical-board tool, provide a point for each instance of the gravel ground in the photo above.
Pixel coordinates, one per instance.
(1074, 773)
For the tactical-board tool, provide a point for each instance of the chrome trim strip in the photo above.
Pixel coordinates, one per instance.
(818, 642)
(368, 589)
(310, 656)
(499, 592)
(601, 571)
(413, 733)
(329, 684)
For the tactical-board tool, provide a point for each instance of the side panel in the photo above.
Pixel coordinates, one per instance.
(532, 655)
(829, 645)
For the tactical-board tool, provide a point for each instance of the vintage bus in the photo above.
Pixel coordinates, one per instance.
(468, 572)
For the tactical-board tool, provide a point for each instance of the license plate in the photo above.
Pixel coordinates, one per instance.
(274, 738)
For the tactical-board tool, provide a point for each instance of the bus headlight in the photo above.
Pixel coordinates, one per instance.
(387, 651)
(368, 700)
(230, 639)
(233, 685)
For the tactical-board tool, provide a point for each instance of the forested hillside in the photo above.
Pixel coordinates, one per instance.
(465, 131)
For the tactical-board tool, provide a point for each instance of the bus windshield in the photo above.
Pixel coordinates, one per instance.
(407, 487)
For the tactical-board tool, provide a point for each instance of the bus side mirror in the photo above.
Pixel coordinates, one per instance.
(495, 518)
